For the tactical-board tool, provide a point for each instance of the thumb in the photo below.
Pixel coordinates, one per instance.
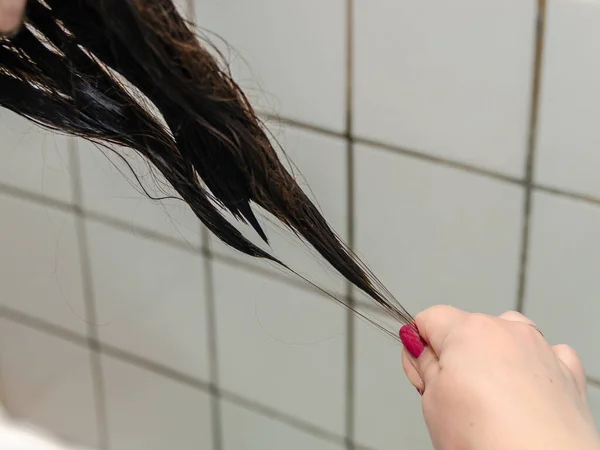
(424, 339)
(419, 361)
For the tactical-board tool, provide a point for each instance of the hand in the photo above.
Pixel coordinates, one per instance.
(11, 16)
(492, 383)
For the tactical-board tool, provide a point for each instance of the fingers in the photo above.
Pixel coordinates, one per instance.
(571, 360)
(410, 369)
(11, 15)
(420, 355)
(514, 316)
(422, 370)
(564, 353)
(420, 360)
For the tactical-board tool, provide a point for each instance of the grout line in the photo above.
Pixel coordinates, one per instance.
(140, 232)
(172, 374)
(154, 367)
(213, 355)
(349, 56)
(88, 296)
(302, 125)
(567, 194)
(43, 326)
(350, 376)
(439, 160)
(216, 415)
(593, 382)
(174, 242)
(531, 144)
(43, 200)
(115, 223)
(38, 199)
(123, 225)
(398, 150)
(75, 208)
(282, 417)
(100, 396)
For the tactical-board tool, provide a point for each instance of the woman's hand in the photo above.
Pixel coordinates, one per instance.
(492, 383)
(11, 16)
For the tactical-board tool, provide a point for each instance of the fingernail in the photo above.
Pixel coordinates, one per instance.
(420, 392)
(412, 341)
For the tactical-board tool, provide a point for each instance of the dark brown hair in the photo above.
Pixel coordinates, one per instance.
(134, 73)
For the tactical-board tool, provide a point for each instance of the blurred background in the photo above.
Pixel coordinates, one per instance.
(455, 146)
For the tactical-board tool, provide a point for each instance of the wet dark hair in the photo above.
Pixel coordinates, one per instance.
(134, 73)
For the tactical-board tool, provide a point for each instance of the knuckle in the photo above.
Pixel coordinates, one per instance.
(566, 350)
(478, 323)
(478, 331)
(433, 311)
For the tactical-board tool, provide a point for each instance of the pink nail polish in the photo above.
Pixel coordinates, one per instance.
(412, 341)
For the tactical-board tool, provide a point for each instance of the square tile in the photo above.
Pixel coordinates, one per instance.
(388, 408)
(150, 299)
(34, 159)
(450, 79)
(438, 235)
(288, 56)
(246, 430)
(562, 277)
(319, 163)
(149, 412)
(40, 268)
(47, 381)
(594, 401)
(281, 346)
(567, 154)
(109, 187)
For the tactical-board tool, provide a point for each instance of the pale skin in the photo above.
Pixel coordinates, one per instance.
(489, 383)
(494, 383)
(11, 16)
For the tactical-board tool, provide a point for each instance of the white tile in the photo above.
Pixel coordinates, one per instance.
(47, 381)
(319, 164)
(34, 159)
(437, 235)
(568, 154)
(40, 269)
(594, 401)
(388, 408)
(183, 8)
(451, 79)
(281, 346)
(289, 56)
(246, 430)
(149, 412)
(110, 188)
(150, 299)
(562, 277)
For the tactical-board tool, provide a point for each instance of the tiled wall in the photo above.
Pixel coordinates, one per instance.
(455, 147)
